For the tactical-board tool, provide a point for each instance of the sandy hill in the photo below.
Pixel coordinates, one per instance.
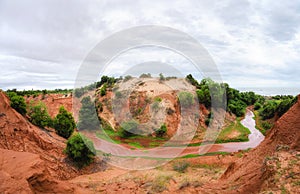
(274, 164)
(31, 159)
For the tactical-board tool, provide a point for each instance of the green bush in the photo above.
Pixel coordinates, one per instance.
(80, 149)
(180, 166)
(103, 89)
(161, 131)
(39, 115)
(266, 125)
(186, 99)
(64, 123)
(17, 103)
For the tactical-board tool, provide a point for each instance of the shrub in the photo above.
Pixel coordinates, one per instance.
(127, 77)
(155, 105)
(64, 123)
(186, 99)
(144, 75)
(181, 166)
(266, 125)
(17, 103)
(88, 118)
(103, 89)
(39, 115)
(157, 99)
(118, 94)
(80, 149)
(161, 131)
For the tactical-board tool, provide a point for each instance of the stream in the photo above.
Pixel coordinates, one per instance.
(255, 138)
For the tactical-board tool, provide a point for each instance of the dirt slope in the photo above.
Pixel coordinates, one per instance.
(32, 159)
(251, 174)
(23, 172)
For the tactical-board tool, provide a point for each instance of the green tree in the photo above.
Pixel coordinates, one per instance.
(284, 106)
(161, 77)
(80, 149)
(192, 81)
(39, 115)
(88, 118)
(64, 123)
(17, 103)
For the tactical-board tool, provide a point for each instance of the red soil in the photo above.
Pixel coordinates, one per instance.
(248, 174)
(32, 159)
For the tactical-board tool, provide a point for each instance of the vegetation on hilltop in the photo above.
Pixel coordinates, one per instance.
(38, 92)
(17, 102)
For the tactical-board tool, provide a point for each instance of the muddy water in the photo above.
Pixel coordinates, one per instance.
(255, 138)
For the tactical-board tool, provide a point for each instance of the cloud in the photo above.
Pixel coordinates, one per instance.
(254, 43)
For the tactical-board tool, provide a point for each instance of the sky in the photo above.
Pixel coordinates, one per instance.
(254, 43)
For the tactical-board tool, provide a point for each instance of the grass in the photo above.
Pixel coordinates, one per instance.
(160, 183)
(106, 137)
(235, 126)
(136, 145)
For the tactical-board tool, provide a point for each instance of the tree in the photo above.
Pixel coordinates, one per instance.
(80, 149)
(161, 77)
(284, 106)
(88, 118)
(17, 103)
(39, 115)
(192, 81)
(64, 123)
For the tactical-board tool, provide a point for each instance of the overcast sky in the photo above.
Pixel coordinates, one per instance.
(254, 43)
